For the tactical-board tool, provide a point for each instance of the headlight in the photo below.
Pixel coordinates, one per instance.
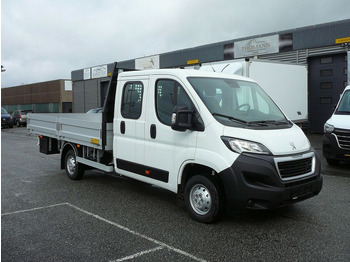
(328, 128)
(241, 146)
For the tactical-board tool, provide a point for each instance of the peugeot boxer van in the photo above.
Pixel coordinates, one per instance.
(336, 139)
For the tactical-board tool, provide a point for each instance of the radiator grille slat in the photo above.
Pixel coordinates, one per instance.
(294, 168)
(343, 136)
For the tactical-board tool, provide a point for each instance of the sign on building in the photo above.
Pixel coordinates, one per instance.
(150, 62)
(99, 71)
(258, 46)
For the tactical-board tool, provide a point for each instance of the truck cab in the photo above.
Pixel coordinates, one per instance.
(336, 139)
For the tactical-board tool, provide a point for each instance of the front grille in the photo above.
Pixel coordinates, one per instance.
(343, 137)
(295, 167)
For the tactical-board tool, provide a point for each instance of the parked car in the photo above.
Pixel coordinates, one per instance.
(6, 118)
(20, 117)
(95, 110)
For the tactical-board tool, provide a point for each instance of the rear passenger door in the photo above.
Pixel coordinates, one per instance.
(129, 127)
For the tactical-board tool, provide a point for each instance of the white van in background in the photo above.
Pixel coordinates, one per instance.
(336, 139)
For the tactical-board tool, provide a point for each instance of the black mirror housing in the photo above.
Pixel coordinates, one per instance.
(181, 119)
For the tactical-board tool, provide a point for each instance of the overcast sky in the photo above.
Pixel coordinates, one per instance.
(44, 40)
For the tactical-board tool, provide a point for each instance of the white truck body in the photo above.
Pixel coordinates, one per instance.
(285, 83)
(211, 138)
(84, 129)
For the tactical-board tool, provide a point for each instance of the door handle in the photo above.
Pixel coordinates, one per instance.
(122, 127)
(153, 131)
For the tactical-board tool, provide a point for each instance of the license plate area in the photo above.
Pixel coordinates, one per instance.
(301, 191)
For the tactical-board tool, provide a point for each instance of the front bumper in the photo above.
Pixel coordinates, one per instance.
(6, 122)
(253, 182)
(331, 149)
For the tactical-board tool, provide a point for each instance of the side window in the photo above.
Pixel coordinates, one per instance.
(132, 100)
(169, 94)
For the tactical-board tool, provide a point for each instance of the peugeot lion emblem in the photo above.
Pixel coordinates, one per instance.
(292, 145)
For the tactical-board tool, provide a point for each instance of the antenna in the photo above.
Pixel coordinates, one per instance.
(212, 67)
(224, 67)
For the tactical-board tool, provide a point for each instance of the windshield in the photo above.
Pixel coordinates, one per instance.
(236, 102)
(3, 111)
(26, 112)
(344, 105)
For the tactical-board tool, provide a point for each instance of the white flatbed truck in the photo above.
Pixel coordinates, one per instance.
(216, 140)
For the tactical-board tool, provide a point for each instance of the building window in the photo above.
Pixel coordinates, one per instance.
(132, 100)
(326, 85)
(326, 60)
(326, 72)
(325, 100)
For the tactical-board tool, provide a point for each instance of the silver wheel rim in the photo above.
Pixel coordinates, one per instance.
(71, 164)
(200, 199)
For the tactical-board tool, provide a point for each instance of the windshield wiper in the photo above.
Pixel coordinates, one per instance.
(269, 122)
(233, 119)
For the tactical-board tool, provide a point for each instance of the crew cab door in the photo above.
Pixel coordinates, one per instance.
(129, 125)
(166, 150)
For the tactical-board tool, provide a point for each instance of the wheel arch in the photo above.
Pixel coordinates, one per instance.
(66, 147)
(192, 169)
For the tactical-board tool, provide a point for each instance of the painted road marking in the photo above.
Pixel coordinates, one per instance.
(161, 245)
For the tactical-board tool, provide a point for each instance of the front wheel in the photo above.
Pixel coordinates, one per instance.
(74, 170)
(203, 199)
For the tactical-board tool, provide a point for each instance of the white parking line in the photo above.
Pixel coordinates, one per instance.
(161, 244)
(138, 254)
(32, 209)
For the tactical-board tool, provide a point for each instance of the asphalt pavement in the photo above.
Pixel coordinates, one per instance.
(47, 217)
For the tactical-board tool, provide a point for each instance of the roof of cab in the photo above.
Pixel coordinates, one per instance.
(181, 73)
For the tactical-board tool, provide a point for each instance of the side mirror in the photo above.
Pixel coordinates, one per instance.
(181, 119)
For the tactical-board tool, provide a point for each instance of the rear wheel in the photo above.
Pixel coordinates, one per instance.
(74, 170)
(203, 199)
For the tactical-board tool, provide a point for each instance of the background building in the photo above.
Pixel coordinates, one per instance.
(322, 48)
(45, 97)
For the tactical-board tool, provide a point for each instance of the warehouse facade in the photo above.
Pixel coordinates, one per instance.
(45, 97)
(322, 48)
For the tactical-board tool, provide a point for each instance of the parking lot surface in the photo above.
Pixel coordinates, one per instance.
(47, 217)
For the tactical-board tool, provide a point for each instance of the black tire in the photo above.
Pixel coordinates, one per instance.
(203, 199)
(332, 162)
(74, 170)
